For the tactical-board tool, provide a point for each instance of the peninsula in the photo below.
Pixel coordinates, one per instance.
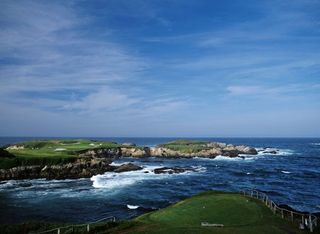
(61, 159)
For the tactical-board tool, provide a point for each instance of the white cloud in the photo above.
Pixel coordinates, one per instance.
(105, 99)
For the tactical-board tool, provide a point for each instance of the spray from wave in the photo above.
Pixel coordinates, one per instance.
(113, 180)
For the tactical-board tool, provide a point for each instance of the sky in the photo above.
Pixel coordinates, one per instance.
(160, 68)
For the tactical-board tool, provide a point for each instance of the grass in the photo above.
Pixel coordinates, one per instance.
(186, 146)
(51, 152)
(237, 213)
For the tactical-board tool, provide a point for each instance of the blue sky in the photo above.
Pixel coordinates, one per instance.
(160, 68)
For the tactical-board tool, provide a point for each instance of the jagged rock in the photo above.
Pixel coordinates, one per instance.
(127, 167)
(135, 152)
(217, 149)
(270, 152)
(102, 153)
(171, 170)
(82, 168)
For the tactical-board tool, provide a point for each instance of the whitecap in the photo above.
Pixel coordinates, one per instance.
(132, 207)
(113, 180)
(317, 144)
(241, 158)
(286, 172)
(274, 151)
(116, 164)
(198, 169)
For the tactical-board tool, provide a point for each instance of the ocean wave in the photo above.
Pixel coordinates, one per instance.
(274, 151)
(316, 144)
(113, 180)
(286, 172)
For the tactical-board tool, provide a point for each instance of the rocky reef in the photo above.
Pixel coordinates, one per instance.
(200, 149)
(175, 149)
(82, 168)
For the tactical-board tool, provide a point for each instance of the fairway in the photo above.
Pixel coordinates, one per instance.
(50, 152)
(237, 213)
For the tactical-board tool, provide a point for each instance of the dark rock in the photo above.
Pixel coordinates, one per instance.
(26, 184)
(171, 170)
(5, 154)
(82, 168)
(127, 167)
(270, 152)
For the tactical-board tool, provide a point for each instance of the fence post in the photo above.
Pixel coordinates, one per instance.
(282, 213)
(88, 228)
(58, 232)
(310, 223)
(291, 216)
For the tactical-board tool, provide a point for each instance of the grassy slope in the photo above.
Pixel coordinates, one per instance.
(238, 213)
(44, 152)
(186, 146)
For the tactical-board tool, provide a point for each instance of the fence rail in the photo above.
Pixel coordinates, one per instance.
(72, 228)
(303, 220)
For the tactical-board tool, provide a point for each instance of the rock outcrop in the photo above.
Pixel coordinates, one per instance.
(171, 170)
(127, 167)
(135, 152)
(116, 152)
(211, 150)
(101, 152)
(82, 168)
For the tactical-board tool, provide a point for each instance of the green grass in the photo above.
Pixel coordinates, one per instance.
(46, 153)
(237, 213)
(186, 146)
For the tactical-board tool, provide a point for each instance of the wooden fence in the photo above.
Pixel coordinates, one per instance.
(76, 228)
(302, 220)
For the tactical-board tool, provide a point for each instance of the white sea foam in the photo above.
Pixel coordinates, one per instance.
(8, 184)
(317, 144)
(242, 157)
(112, 180)
(116, 164)
(286, 172)
(131, 207)
(274, 151)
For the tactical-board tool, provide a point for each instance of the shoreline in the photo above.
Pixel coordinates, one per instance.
(86, 158)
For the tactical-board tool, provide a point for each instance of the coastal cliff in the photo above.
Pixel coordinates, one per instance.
(82, 168)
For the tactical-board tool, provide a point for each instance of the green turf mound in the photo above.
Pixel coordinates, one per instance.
(237, 213)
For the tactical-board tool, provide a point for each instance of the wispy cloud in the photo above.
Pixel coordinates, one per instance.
(54, 64)
(137, 63)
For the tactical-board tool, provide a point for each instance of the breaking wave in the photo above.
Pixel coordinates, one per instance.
(113, 180)
(274, 151)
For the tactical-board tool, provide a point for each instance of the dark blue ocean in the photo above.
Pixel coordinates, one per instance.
(292, 177)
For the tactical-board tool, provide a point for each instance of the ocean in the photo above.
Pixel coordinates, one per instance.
(292, 177)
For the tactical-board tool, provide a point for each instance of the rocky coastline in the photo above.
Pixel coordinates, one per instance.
(82, 168)
(95, 161)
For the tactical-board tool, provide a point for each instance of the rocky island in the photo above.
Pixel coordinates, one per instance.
(62, 159)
